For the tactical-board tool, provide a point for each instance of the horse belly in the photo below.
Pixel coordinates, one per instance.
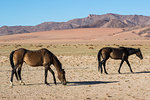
(33, 61)
(116, 55)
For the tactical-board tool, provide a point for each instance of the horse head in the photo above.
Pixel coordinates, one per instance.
(61, 77)
(139, 53)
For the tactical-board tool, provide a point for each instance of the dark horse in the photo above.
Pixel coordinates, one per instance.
(121, 53)
(42, 57)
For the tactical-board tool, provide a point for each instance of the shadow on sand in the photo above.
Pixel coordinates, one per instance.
(75, 83)
(31, 84)
(89, 83)
(142, 72)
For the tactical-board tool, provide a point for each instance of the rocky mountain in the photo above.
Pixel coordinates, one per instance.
(92, 21)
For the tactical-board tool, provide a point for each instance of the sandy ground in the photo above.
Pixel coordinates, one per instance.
(74, 36)
(84, 80)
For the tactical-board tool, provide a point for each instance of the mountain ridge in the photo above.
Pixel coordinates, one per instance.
(109, 20)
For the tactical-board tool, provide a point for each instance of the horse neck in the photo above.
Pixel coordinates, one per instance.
(132, 51)
(57, 64)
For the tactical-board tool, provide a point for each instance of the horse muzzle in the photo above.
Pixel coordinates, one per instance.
(64, 83)
(141, 58)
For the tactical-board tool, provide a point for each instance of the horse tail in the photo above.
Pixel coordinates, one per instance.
(99, 60)
(12, 64)
(11, 59)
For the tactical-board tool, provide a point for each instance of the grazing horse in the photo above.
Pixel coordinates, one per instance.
(42, 57)
(121, 53)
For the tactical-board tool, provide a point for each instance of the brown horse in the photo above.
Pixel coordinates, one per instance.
(121, 53)
(42, 57)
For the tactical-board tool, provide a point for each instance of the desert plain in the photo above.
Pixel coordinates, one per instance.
(77, 51)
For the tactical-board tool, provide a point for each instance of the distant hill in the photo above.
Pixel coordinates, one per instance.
(92, 21)
(145, 32)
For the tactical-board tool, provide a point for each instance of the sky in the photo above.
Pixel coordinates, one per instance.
(33, 12)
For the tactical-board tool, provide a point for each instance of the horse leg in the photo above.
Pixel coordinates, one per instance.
(16, 75)
(19, 74)
(129, 65)
(104, 64)
(12, 74)
(120, 66)
(100, 64)
(100, 67)
(46, 71)
(53, 75)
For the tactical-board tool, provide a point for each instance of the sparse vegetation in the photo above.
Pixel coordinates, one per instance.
(80, 64)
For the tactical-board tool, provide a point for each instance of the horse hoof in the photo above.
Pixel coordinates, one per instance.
(132, 72)
(47, 83)
(11, 84)
(22, 83)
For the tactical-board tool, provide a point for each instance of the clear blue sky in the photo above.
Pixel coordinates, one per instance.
(33, 12)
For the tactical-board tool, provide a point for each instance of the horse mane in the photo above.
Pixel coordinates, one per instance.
(55, 61)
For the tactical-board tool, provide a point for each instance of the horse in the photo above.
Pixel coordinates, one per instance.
(120, 53)
(35, 58)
